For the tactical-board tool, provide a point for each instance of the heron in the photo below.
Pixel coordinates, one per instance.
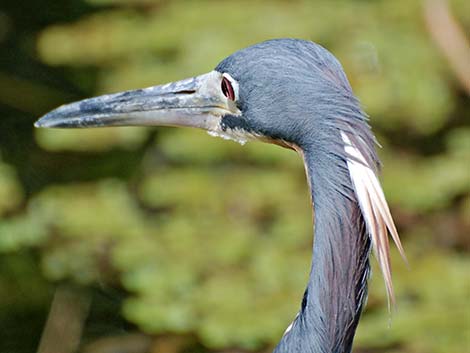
(295, 94)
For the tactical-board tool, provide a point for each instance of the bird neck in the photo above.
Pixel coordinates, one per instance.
(337, 286)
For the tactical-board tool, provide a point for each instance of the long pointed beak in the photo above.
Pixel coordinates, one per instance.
(196, 102)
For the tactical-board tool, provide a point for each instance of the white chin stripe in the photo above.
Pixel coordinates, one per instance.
(236, 135)
(374, 209)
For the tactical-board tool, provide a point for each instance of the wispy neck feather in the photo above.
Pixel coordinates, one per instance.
(351, 216)
(337, 285)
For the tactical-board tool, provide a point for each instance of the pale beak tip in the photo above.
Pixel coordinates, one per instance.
(64, 118)
(46, 121)
(53, 120)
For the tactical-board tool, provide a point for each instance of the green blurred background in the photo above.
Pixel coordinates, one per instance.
(137, 240)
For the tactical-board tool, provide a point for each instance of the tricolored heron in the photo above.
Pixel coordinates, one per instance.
(293, 93)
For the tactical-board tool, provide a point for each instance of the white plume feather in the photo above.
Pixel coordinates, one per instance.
(374, 209)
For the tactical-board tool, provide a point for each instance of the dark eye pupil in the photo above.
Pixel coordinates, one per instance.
(227, 89)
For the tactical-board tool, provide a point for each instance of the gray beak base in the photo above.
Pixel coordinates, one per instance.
(195, 102)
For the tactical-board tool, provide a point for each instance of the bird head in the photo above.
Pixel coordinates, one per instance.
(269, 92)
(286, 91)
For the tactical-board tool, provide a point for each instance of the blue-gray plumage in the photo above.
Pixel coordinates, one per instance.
(293, 93)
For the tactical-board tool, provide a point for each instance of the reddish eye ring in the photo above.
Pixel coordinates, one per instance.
(227, 89)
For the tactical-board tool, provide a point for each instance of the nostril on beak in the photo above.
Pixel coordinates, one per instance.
(189, 91)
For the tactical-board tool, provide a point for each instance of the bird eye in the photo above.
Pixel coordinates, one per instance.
(227, 89)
